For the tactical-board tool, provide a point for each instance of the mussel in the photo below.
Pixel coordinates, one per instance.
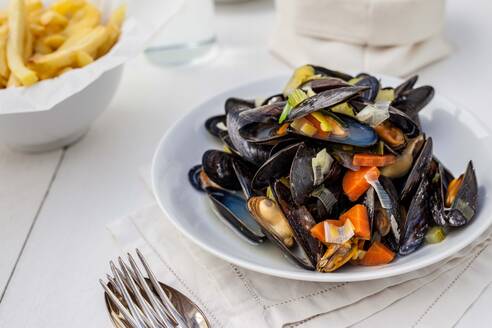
(215, 125)
(218, 166)
(454, 201)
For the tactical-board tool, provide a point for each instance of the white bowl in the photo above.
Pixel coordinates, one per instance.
(63, 124)
(458, 137)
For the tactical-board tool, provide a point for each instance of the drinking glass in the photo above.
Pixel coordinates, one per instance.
(188, 36)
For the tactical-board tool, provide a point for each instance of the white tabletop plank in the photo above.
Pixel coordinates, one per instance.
(24, 182)
(69, 246)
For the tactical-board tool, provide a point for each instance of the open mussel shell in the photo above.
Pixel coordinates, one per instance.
(372, 84)
(356, 133)
(301, 174)
(413, 100)
(275, 167)
(416, 222)
(302, 180)
(465, 203)
(251, 152)
(324, 100)
(331, 73)
(407, 85)
(420, 167)
(403, 121)
(262, 114)
(301, 221)
(238, 104)
(270, 217)
(219, 168)
(215, 125)
(261, 132)
(234, 211)
(323, 84)
(194, 177)
(384, 212)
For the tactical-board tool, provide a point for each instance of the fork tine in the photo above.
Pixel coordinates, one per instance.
(140, 300)
(133, 309)
(165, 300)
(161, 311)
(128, 317)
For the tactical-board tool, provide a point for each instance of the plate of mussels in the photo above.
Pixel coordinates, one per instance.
(327, 176)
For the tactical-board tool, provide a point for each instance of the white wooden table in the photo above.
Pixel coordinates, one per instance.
(54, 207)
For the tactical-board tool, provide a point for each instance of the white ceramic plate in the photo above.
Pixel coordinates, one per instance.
(458, 136)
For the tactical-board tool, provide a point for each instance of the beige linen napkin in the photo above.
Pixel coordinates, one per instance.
(291, 43)
(235, 297)
(369, 22)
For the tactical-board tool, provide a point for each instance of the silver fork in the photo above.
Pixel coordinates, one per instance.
(143, 303)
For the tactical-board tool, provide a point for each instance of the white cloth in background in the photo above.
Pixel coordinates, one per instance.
(342, 36)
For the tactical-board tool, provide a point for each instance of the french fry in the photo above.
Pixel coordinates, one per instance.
(36, 29)
(41, 48)
(13, 82)
(51, 17)
(75, 37)
(54, 41)
(33, 5)
(4, 68)
(82, 58)
(66, 69)
(67, 7)
(28, 45)
(86, 17)
(3, 16)
(66, 57)
(15, 43)
(114, 28)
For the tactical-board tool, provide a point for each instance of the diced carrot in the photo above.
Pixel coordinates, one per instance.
(373, 160)
(283, 129)
(320, 133)
(318, 230)
(359, 218)
(377, 254)
(354, 183)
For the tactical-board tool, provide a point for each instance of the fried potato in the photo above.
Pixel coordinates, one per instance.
(114, 29)
(13, 82)
(51, 17)
(86, 17)
(54, 41)
(4, 68)
(67, 57)
(67, 7)
(82, 58)
(39, 42)
(15, 43)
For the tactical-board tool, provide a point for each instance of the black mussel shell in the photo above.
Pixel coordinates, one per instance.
(323, 100)
(320, 85)
(420, 167)
(283, 143)
(237, 104)
(244, 173)
(234, 210)
(412, 101)
(261, 132)
(417, 219)
(261, 114)
(407, 85)
(275, 167)
(409, 126)
(301, 174)
(194, 177)
(215, 125)
(465, 205)
(372, 84)
(331, 73)
(251, 152)
(301, 221)
(219, 168)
